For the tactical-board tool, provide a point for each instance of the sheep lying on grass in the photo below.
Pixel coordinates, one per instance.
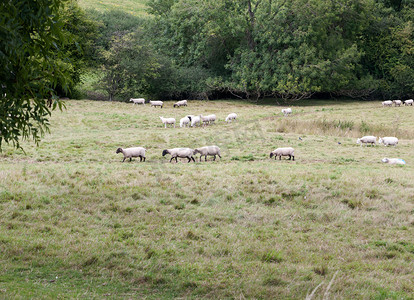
(393, 161)
(132, 152)
(156, 103)
(388, 141)
(408, 102)
(180, 103)
(180, 152)
(231, 117)
(137, 101)
(168, 121)
(387, 103)
(286, 111)
(288, 151)
(367, 140)
(208, 150)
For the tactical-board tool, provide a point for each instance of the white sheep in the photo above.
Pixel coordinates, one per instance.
(168, 121)
(194, 120)
(397, 102)
(132, 152)
(180, 103)
(204, 119)
(408, 102)
(180, 152)
(137, 100)
(367, 140)
(388, 141)
(231, 117)
(286, 111)
(288, 151)
(185, 121)
(156, 103)
(393, 161)
(211, 118)
(208, 150)
(387, 103)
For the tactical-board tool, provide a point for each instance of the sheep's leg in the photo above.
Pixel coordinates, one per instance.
(205, 157)
(123, 159)
(130, 159)
(214, 159)
(219, 155)
(293, 157)
(176, 161)
(290, 157)
(171, 158)
(144, 158)
(189, 159)
(140, 158)
(280, 157)
(193, 159)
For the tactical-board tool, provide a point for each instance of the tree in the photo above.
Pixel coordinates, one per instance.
(31, 66)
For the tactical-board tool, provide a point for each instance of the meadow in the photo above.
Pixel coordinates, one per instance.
(76, 222)
(134, 7)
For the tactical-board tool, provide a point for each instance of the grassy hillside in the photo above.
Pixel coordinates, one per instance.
(75, 222)
(135, 7)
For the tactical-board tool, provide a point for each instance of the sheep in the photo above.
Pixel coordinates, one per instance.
(387, 103)
(156, 103)
(388, 140)
(168, 121)
(185, 121)
(194, 120)
(208, 150)
(367, 140)
(408, 102)
(393, 161)
(137, 100)
(132, 152)
(286, 111)
(180, 103)
(231, 117)
(204, 119)
(397, 102)
(288, 151)
(180, 152)
(211, 118)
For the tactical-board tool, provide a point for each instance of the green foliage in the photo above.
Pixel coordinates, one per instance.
(32, 65)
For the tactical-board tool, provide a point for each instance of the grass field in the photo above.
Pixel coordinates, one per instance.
(75, 222)
(134, 7)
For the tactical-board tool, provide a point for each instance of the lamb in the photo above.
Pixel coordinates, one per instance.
(388, 140)
(367, 140)
(132, 152)
(397, 102)
(393, 161)
(408, 102)
(231, 117)
(286, 111)
(185, 121)
(180, 103)
(387, 103)
(180, 152)
(156, 103)
(137, 100)
(288, 151)
(208, 150)
(168, 121)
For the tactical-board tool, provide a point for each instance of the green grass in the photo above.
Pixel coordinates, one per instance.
(134, 7)
(75, 222)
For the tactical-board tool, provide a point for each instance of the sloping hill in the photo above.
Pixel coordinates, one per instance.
(135, 7)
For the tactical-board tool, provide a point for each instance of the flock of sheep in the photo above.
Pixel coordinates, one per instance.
(192, 120)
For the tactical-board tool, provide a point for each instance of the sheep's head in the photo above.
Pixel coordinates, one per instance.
(165, 152)
(196, 150)
(119, 150)
(385, 160)
(271, 154)
(175, 105)
(189, 118)
(358, 141)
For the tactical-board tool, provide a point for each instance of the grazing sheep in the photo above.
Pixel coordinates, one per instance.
(393, 161)
(397, 102)
(137, 100)
(387, 103)
(156, 103)
(168, 121)
(388, 141)
(231, 117)
(180, 103)
(286, 111)
(408, 102)
(132, 152)
(288, 151)
(185, 121)
(208, 150)
(204, 119)
(179, 152)
(194, 120)
(367, 140)
(211, 118)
